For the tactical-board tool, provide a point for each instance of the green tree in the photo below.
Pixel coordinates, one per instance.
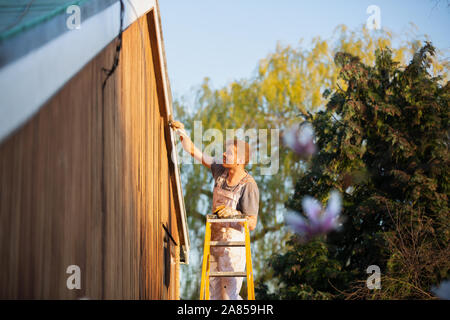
(286, 84)
(383, 143)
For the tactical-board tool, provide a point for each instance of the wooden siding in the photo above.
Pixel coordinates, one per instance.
(91, 185)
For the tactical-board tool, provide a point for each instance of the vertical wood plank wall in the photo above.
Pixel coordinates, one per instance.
(86, 185)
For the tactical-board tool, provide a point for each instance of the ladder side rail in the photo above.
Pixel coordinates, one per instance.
(205, 266)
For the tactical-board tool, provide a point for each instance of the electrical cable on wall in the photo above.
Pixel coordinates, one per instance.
(118, 48)
(103, 175)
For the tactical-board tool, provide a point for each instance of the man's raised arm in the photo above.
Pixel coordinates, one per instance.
(189, 146)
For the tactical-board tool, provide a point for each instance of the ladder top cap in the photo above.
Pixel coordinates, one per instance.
(215, 218)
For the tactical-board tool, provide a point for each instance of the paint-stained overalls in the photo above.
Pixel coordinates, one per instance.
(227, 258)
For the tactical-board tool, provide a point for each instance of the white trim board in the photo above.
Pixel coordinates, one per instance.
(174, 156)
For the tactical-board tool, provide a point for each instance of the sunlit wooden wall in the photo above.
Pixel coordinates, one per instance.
(91, 185)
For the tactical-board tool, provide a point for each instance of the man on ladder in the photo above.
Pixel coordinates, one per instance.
(235, 193)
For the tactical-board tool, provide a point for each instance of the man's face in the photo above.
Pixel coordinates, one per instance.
(230, 157)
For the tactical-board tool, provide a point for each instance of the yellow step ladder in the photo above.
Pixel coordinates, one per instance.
(206, 274)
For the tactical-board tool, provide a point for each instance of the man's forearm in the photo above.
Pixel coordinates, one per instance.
(190, 147)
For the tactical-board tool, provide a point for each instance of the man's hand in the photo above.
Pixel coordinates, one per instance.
(179, 129)
(227, 212)
(252, 222)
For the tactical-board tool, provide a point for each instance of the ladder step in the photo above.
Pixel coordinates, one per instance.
(228, 274)
(227, 243)
(226, 220)
(213, 218)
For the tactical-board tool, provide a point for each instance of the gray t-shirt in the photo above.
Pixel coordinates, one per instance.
(249, 201)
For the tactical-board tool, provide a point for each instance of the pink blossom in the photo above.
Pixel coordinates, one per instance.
(300, 138)
(317, 220)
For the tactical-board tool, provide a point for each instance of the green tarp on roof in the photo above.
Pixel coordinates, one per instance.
(17, 16)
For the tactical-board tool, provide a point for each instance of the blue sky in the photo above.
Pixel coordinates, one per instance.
(224, 40)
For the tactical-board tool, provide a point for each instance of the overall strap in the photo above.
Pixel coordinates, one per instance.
(242, 183)
(237, 188)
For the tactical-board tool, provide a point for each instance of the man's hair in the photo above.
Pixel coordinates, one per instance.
(242, 147)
